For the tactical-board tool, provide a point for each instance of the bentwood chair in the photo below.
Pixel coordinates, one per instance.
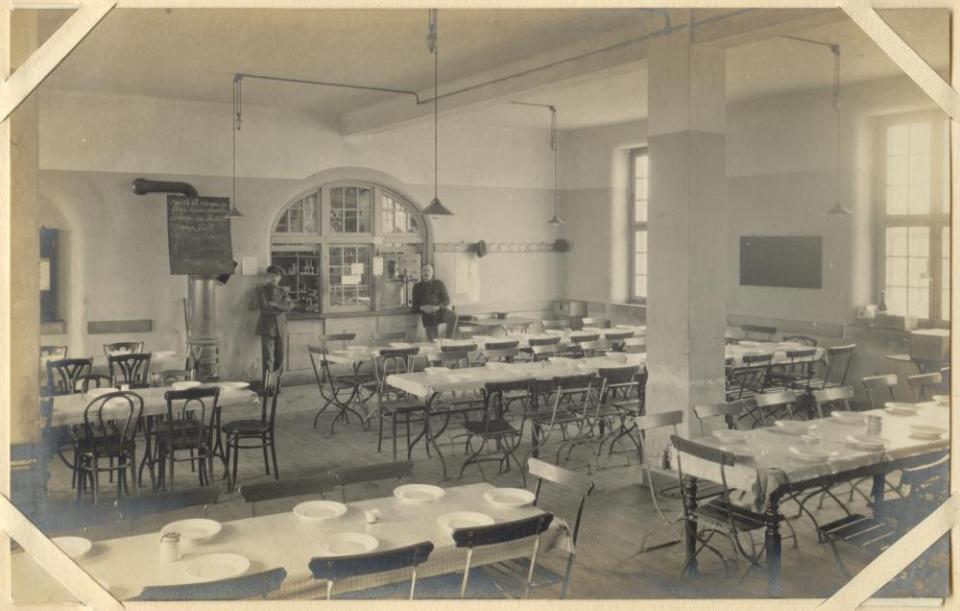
(719, 515)
(108, 433)
(923, 386)
(493, 427)
(131, 368)
(259, 434)
(67, 376)
(122, 348)
(337, 568)
(393, 406)
(192, 425)
(257, 585)
(317, 484)
(880, 389)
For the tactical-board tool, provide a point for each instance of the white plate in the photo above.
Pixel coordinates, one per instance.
(509, 497)
(463, 519)
(791, 427)
(348, 544)
(848, 417)
(75, 547)
(942, 400)
(927, 432)
(436, 370)
(418, 493)
(213, 567)
(318, 511)
(867, 442)
(728, 436)
(900, 409)
(811, 455)
(183, 385)
(233, 385)
(193, 529)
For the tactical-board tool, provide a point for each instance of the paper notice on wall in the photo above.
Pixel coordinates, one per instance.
(378, 266)
(44, 274)
(467, 277)
(248, 266)
(356, 269)
(350, 280)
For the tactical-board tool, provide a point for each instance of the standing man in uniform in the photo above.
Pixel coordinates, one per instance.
(274, 304)
(430, 299)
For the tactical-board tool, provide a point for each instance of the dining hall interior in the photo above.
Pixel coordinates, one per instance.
(584, 303)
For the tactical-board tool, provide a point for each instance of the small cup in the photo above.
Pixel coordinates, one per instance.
(170, 547)
(124, 387)
(372, 516)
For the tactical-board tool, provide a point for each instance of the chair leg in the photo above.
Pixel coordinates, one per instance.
(96, 482)
(273, 452)
(236, 452)
(266, 462)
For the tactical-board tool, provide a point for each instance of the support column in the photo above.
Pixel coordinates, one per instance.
(687, 273)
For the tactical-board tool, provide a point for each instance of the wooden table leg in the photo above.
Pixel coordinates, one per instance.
(772, 519)
(690, 526)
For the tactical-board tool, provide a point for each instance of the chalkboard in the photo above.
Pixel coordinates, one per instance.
(198, 234)
(788, 261)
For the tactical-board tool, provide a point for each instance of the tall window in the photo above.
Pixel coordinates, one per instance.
(349, 247)
(638, 213)
(916, 221)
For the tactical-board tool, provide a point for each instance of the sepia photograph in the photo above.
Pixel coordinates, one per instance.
(527, 302)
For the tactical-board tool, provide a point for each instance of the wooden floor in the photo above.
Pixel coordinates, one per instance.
(616, 518)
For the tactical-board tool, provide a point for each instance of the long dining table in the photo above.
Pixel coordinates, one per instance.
(125, 565)
(776, 471)
(431, 385)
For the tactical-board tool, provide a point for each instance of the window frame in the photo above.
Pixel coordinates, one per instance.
(635, 225)
(376, 240)
(936, 220)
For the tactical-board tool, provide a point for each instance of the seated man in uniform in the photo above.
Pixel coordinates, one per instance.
(430, 299)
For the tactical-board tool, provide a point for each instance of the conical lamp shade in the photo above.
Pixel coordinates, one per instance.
(436, 209)
(838, 209)
(556, 220)
(233, 213)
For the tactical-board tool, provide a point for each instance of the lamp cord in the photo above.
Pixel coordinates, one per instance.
(436, 111)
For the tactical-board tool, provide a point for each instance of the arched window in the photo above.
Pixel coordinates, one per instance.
(349, 246)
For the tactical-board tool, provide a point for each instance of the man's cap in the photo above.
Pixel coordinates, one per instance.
(275, 269)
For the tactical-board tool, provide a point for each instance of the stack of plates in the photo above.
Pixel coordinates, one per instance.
(75, 547)
(418, 493)
(900, 409)
(848, 417)
(810, 455)
(463, 519)
(926, 432)
(213, 567)
(319, 511)
(348, 544)
(509, 497)
(867, 442)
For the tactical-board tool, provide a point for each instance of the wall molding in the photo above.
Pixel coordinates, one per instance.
(497, 247)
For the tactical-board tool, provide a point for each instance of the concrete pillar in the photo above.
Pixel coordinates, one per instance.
(687, 281)
(25, 421)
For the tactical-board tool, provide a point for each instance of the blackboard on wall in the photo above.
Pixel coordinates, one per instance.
(787, 261)
(198, 234)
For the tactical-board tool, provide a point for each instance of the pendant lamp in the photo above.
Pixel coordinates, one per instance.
(234, 128)
(838, 209)
(435, 208)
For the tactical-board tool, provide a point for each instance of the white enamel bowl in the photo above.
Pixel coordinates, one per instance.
(509, 497)
(194, 530)
(418, 493)
(213, 567)
(312, 512)
(463, 519)
(348, 544)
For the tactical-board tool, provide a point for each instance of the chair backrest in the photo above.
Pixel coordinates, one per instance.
(169, 376)
(501, 344)
(504, 355)
(105, 426)
(835, 393)
(131, 368)
(730, 412)
(541, 353)
(576, 483)
(596, 321)
(391, 361)
(389, 336)
(556, 324)
(544, 341)
(196, 416)
(135, 507)
(454, 357)
(925, 385)
(880, 388)
(594, 348)
(63, 375)
(372, 473)
(459, 348)
(580, 338)
(838, 359)
(805, 340)
(257, 585)
(618, 382)
(722, 459)
(479, 536)
(618, 335)
(268, 397)
(318, 483)
(52, 353)
(758, 331)
(775, 399)
(650, 422)
(635, 345)
(753, 375)
(122, 348)
(343, 338)
(334, 568)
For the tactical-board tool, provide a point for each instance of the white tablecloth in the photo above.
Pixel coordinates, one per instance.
(777, 349)
(127, 564)
(776, 463)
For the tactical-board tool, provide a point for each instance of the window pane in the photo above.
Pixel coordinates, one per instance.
(640, 166)
(896, 241)
(640, 211)
(898, 139)
(640, 264)
(897, 169)
(640, 189)
(918, 272)
(640, 241)
(896, 271)
(311, 213)
(897, 199)
(919, 303)
(896, 299)
(640, 286)
(920, 199)
(945, 305)
(365, 205)
(919, 241)
(920, 169)
(920, 138)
